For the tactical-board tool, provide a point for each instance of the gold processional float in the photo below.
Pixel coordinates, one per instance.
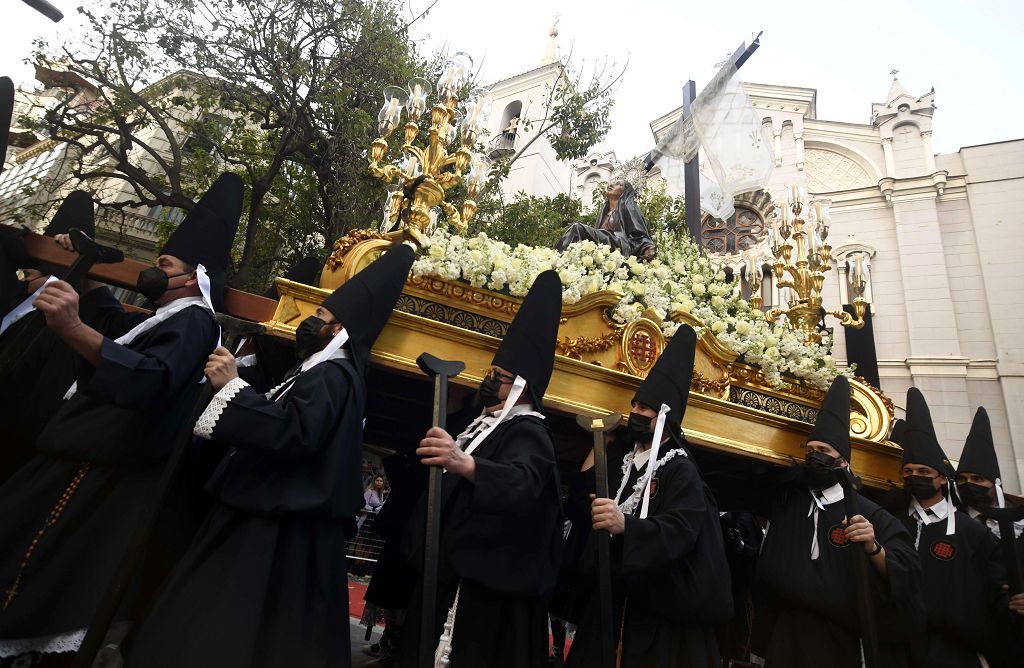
(599, 362)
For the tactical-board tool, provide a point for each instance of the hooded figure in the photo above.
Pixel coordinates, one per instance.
(103, 452)
(306, 270)
(670, 576)
(34, 390)
(899, 430)
(624, 228)
(978, 471)
(962, 575)
(805, 593)
(264, 583)
(501, 519)
(209, 227)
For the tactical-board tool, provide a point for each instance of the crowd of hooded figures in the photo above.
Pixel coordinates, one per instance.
(245, 565)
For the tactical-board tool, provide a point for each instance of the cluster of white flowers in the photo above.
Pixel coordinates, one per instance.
(681, 278)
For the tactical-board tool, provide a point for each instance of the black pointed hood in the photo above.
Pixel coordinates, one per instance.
(306, 271)
(668, 381)
(6, 113)
(833, 423)
(75, 211)
(363, 303)
(206, 234)
(979, 455)
(920, 444)
(528, 347)
(899, 432)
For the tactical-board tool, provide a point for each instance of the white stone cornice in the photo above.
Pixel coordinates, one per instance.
(971, 369)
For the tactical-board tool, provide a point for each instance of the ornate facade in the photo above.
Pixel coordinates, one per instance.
(938, 234)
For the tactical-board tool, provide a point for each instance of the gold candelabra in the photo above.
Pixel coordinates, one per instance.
(801, 253)
(421, 178)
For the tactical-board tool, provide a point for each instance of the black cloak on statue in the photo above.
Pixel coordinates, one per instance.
(263, 583)
(624, 229)
(102, 454)
(670, 576)
(501, 535)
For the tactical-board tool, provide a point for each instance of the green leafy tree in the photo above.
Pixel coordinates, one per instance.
(283, 92)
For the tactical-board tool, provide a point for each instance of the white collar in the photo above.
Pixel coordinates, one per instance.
(829, 495)
(972, 512)
(641, 458)
(510, 408)
(940, 510)
(518, 409)
(311, 361)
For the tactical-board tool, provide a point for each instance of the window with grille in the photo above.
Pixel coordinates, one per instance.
(740, 232)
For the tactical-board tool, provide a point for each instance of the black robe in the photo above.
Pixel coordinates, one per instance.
(99, 460)
(34, 391)
(264, 583)
(669, 573)
(963, 579)
(807, 609)
(501, 537)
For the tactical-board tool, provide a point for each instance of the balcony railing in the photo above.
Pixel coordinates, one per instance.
(503, 144)
(131, 227)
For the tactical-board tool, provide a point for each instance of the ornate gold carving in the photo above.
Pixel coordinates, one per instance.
(493, 302)
(358, 257)
(343, 245)
(640, 346)
(793, 390)
(705, 385)
(575, 347)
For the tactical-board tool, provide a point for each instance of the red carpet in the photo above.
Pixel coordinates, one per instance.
(356, 591)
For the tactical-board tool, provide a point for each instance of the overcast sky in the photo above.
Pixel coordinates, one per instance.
(969, 53)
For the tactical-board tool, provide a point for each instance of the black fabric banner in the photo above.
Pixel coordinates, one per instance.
(860, 348)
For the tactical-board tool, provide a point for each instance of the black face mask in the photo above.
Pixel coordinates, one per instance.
(307, 337)
(640, 427)
(153, 283)
(919, 486)
(974, 495)
(487, 393)
(818, 470)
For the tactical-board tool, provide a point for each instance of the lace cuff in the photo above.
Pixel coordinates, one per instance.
(208, 420)
(59, 643)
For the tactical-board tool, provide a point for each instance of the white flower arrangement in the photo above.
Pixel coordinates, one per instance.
(681, 278)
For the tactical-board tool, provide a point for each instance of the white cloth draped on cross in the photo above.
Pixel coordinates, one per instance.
(736, 155)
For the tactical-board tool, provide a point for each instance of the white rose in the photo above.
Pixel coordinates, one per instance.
(718, 327)
(698, 289)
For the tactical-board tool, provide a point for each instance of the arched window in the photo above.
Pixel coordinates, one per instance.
(742, 231)
(510, 117)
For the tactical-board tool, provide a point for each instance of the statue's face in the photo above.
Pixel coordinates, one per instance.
(615, 190)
